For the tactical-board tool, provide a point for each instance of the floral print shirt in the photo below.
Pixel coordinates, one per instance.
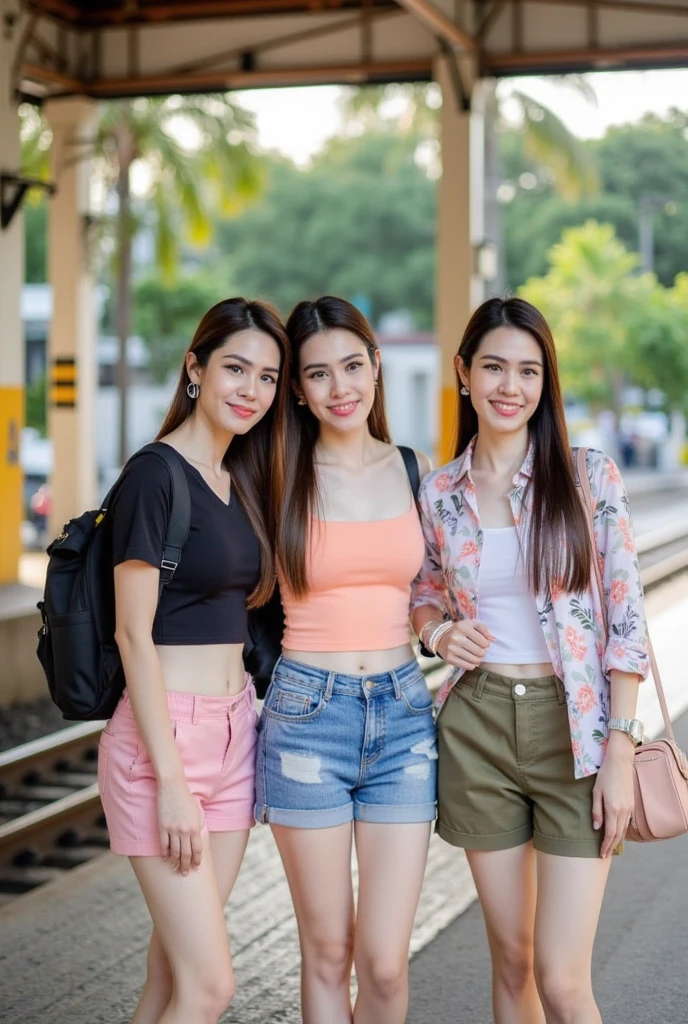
(572, 623)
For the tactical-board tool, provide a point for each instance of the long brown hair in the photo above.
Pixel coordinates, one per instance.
(558, 541)
(301, 496)
(255, 460)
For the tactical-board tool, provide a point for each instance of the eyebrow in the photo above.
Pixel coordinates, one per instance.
(247, 362)
(523, 362)
(323, 366)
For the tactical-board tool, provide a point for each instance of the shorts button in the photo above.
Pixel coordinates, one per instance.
(519, 689)
(369, 684)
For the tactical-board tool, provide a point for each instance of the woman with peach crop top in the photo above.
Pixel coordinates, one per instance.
(347, 747)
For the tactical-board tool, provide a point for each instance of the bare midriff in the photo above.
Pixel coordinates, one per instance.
(545, 668)
(209, 670)
(354, 662)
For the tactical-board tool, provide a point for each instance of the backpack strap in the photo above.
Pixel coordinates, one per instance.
(411, 465)
(180, 514)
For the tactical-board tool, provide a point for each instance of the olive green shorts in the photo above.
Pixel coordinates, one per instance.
(506, 769)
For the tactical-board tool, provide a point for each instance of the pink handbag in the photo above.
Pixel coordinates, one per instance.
(660, 767)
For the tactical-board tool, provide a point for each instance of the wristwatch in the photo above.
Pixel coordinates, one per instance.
(632, 726)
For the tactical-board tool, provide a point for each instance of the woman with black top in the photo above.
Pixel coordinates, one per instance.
(177, 759)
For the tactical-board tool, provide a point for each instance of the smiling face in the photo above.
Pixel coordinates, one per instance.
(505, 379)
(239, 382)
(337, 378)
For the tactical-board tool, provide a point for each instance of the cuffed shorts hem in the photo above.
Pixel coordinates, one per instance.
(493, 841)
(327, 817)
(394, 814)
(567, 847)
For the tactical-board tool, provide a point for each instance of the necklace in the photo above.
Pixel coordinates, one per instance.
(211, 469)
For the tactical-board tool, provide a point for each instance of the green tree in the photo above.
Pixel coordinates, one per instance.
(199, 155)
(360, 222)
(591, 296)
(166, 314)
(35, 405)
(647, 158)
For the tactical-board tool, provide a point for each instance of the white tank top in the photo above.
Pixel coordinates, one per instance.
(506, 605)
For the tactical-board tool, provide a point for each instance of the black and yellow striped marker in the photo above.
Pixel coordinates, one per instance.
(63, 382)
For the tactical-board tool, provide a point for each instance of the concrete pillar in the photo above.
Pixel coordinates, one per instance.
(459, 234)
(72, 343)
(11, 331)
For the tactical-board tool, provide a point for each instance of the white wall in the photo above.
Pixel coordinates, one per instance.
(411, 388)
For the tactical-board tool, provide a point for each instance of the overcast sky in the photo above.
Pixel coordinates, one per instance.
(297, 121)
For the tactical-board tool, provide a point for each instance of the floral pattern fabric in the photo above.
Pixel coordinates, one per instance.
(572, 623)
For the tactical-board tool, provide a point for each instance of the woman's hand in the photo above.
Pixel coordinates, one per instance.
(612, 797)
(464, 645)
(180, 822)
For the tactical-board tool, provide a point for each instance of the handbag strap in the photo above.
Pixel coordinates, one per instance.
(583, 484)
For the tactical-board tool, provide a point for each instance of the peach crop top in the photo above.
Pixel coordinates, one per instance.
(360, 576)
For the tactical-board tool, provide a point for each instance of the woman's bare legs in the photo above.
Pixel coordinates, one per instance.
(506, 884)
(391, 864)
(569, 900)
(226, 854)
(317, 863)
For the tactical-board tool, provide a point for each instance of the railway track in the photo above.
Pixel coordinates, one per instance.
(50, 814)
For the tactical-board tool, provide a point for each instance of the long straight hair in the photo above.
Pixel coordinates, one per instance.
(558, 540)
(301, 495)
(255, 460)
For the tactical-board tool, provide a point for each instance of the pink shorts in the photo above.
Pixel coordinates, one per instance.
(216, 737)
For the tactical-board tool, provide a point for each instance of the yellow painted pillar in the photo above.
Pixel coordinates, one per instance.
(459, 288)
(11, 331)
(72, 342)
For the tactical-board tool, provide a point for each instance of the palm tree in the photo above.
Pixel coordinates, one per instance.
(197, 153)
(413, 108)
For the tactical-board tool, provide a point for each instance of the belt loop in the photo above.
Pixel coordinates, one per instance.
(329, 686)
(396, 684)
(561, 692)
(193, 710)
(480, 686)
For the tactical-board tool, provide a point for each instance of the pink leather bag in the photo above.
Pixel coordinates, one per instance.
(660, 767)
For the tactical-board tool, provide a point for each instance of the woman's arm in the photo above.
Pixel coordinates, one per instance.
(136, 600)
(612, 798)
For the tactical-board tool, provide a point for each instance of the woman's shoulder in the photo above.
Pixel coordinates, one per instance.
(145, 475)
(444, 478)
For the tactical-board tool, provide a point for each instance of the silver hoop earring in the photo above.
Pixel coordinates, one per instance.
(301, 400)
(376, 381)
(192, 389)
(464, 390)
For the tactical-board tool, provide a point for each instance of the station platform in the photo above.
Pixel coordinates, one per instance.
(74, 951)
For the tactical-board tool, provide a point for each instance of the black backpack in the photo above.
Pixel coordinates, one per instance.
(76, 643)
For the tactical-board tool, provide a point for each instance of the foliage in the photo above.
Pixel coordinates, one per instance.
(612, 326)
(166, 315)
(36, 405)
(647, 158)
(360, 223)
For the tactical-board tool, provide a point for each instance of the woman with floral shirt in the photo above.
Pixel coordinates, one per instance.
(535, 721)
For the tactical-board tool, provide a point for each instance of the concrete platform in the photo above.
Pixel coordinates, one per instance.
(74, 952)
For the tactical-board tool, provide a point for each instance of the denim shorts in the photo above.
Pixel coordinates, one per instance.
(333, 748)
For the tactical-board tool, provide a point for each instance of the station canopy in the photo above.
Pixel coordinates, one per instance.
(110, 48)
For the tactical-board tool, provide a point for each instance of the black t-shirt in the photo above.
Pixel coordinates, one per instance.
(205, 602)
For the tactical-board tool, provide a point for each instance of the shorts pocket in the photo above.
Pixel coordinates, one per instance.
(290, 701)
(417, 697)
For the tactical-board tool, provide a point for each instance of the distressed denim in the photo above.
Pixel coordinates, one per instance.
(333, 748)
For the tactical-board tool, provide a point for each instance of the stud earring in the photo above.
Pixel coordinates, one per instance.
(301, 400)
(192, 389)
(464, 390)
(377, 381)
